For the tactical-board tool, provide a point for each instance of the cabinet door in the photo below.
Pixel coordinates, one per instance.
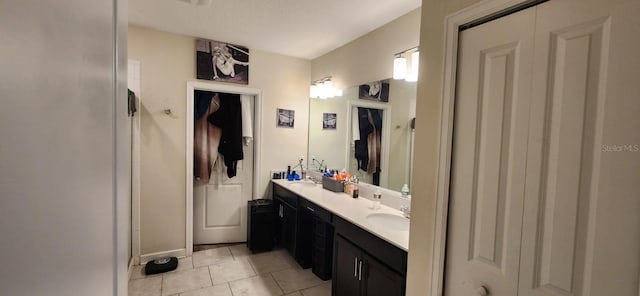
(379, 280)
(346, 258)
(304, 237)
(289, 228)
(278, 228)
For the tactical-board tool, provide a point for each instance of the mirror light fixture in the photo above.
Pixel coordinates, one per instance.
(407, 70)
(399, 67)
(323, 89)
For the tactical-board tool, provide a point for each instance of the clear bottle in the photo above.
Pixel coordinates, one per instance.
(377, 196)
(405, 190)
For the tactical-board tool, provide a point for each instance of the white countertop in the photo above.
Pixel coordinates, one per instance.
(354, 210)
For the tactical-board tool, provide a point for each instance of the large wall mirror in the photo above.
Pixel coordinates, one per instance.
(349, 130)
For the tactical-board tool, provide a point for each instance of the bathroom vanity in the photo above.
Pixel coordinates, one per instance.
(363, 251)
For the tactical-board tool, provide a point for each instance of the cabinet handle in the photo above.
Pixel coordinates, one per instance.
(311, 209)
(360, 271)
(482, 291)
(355, 266)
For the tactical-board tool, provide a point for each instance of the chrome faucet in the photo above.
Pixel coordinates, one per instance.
(321, 166)
(406, 211)
(301, 166)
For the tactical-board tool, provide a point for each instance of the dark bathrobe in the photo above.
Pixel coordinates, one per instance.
(229, 119)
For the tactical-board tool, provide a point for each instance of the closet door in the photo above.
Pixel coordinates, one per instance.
(489, 154)
(581, 223)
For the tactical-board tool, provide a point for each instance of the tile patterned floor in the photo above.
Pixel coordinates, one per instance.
(231, 271)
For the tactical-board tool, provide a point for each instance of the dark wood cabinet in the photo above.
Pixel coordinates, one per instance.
(346, 261)
(305, 230)
(365, 265)
(358, 262)
(357, 273)
(379, 280)
(286, 219)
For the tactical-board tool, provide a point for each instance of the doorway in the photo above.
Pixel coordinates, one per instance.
(529, 189)
(217, 208)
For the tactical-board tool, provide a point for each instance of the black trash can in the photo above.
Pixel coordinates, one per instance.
(260, 225)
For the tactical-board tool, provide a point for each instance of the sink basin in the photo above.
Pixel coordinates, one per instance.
(390, 221)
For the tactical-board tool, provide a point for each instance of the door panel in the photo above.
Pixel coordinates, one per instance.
(579, 213)
(489, 149)
(379, 280)
(580, 225)
(345, 274)
(220, 206)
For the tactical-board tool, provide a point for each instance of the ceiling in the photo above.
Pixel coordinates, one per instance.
(299, 28)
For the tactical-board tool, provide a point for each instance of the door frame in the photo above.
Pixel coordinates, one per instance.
(135, 164)
(453, 22)
(385, 140)
(257, 137)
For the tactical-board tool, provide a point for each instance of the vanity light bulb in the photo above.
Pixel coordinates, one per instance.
(415, 64)
(313, 91)
(322, 91)
(399, 67)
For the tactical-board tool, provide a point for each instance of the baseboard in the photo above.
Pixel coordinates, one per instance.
(180, 253)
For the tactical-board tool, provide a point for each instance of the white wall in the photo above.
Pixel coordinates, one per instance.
(329, 145)
(167, 63)
(59, 206)
(370, 57)
(427, 141)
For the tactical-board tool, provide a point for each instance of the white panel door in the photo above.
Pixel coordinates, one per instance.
(220, 207)
(579, 209)
(581, 233)
(489, 150)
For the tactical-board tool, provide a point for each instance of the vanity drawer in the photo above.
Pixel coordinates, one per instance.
(316, 210)
(387, 253)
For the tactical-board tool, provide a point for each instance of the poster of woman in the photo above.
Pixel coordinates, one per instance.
(221, 61)
(375, 91)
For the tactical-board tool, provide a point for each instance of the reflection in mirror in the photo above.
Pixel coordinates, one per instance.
(339, 143)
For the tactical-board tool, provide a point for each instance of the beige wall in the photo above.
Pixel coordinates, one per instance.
(427, 141)
(370, 57)
(167, 63)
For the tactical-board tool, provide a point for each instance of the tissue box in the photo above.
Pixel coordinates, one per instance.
(332, 185)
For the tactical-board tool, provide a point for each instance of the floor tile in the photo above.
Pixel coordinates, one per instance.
(186, 280)
(272, 261)
(296, 293)
(217, 290)
(211, 256)
(295, 279)
(240, 251)
(321, 290)
(146, 286)
(227, 271)
(263, 285)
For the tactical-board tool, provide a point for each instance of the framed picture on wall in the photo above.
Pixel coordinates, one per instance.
(286, 118)
(329, 121)
(375, 91)
(219, 61)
